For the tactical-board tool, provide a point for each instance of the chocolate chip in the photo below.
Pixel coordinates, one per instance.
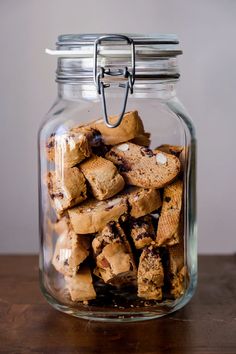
(51, 144)
(100, 149)
(142, 235)
(96, 139)
(66, 262)
(167, 199)
(146, 152)
(57, 195)
(151, 251)
(121, 168)
(124, 167)
(113, 153)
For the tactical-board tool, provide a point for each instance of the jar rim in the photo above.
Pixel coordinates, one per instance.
(146, 45)
(155, 55)
(139, 39)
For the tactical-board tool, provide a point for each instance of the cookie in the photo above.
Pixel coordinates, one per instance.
(142, 231)
(72, 147)
(92, 135)
(130, 127)
(167, 231)
(143, 167)
(103, 177)
(171, 149)
(66, 189)
(111, 233)
(142, 201)
(114, 259)
(150, 274)
(70, 250)
(80, 285)
(115, 265)
(177, 150)
(92, 216)
(177, 270)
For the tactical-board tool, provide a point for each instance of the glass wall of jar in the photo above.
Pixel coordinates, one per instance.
(117, 205)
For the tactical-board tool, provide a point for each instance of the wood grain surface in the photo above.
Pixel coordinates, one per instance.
(207, 325)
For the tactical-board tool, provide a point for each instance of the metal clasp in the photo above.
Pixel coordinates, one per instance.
(99, 76)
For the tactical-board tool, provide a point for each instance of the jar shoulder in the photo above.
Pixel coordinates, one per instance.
(178, 108)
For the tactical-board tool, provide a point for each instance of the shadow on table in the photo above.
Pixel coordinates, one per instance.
(165, 335)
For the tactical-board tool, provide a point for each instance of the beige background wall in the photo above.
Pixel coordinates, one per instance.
(207, 30)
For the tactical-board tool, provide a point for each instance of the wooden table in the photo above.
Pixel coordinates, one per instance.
(29, 325)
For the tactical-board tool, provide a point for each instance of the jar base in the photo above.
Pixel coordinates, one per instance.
(119, 315)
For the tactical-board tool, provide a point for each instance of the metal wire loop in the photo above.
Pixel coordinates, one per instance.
(98, 76)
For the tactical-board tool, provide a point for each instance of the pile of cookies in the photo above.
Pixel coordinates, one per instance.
(119, 208)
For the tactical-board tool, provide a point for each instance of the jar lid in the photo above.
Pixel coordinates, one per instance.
(82, 45)
(123, 58)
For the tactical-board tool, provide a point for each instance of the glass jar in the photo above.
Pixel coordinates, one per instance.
(117, 181)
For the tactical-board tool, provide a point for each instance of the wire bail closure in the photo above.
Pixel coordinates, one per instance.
(125, 73)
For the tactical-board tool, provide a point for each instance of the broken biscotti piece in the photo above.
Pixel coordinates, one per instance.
(66, 189)
(70, 250)
(177, 271)
(177, 150)
(142, 231)
(92, 216)
(114, 259)
(72, 147)
(80, 285)
(170, 149)
(130, 127)
(103, 177)
(143, 167)
(150, 274)
(168, 226)
(142, 201)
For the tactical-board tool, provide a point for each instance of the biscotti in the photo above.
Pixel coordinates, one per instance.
(177, 271)
(66, 188)
(130, 127)
(92, 216)
(150, 274)
(70, 252)
(103, 177)
(68, 149)
(117, 227)
(70, 249)
(111, 233)
(167, 232)
(142, 167)
(80, 285)
(170, 149)
(177, 150)
(142, 201)
(142, 231)
(114, 258)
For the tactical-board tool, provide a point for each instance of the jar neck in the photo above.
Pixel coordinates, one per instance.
(164, 90)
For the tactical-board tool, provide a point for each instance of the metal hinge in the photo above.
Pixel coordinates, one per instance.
(125, 73)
